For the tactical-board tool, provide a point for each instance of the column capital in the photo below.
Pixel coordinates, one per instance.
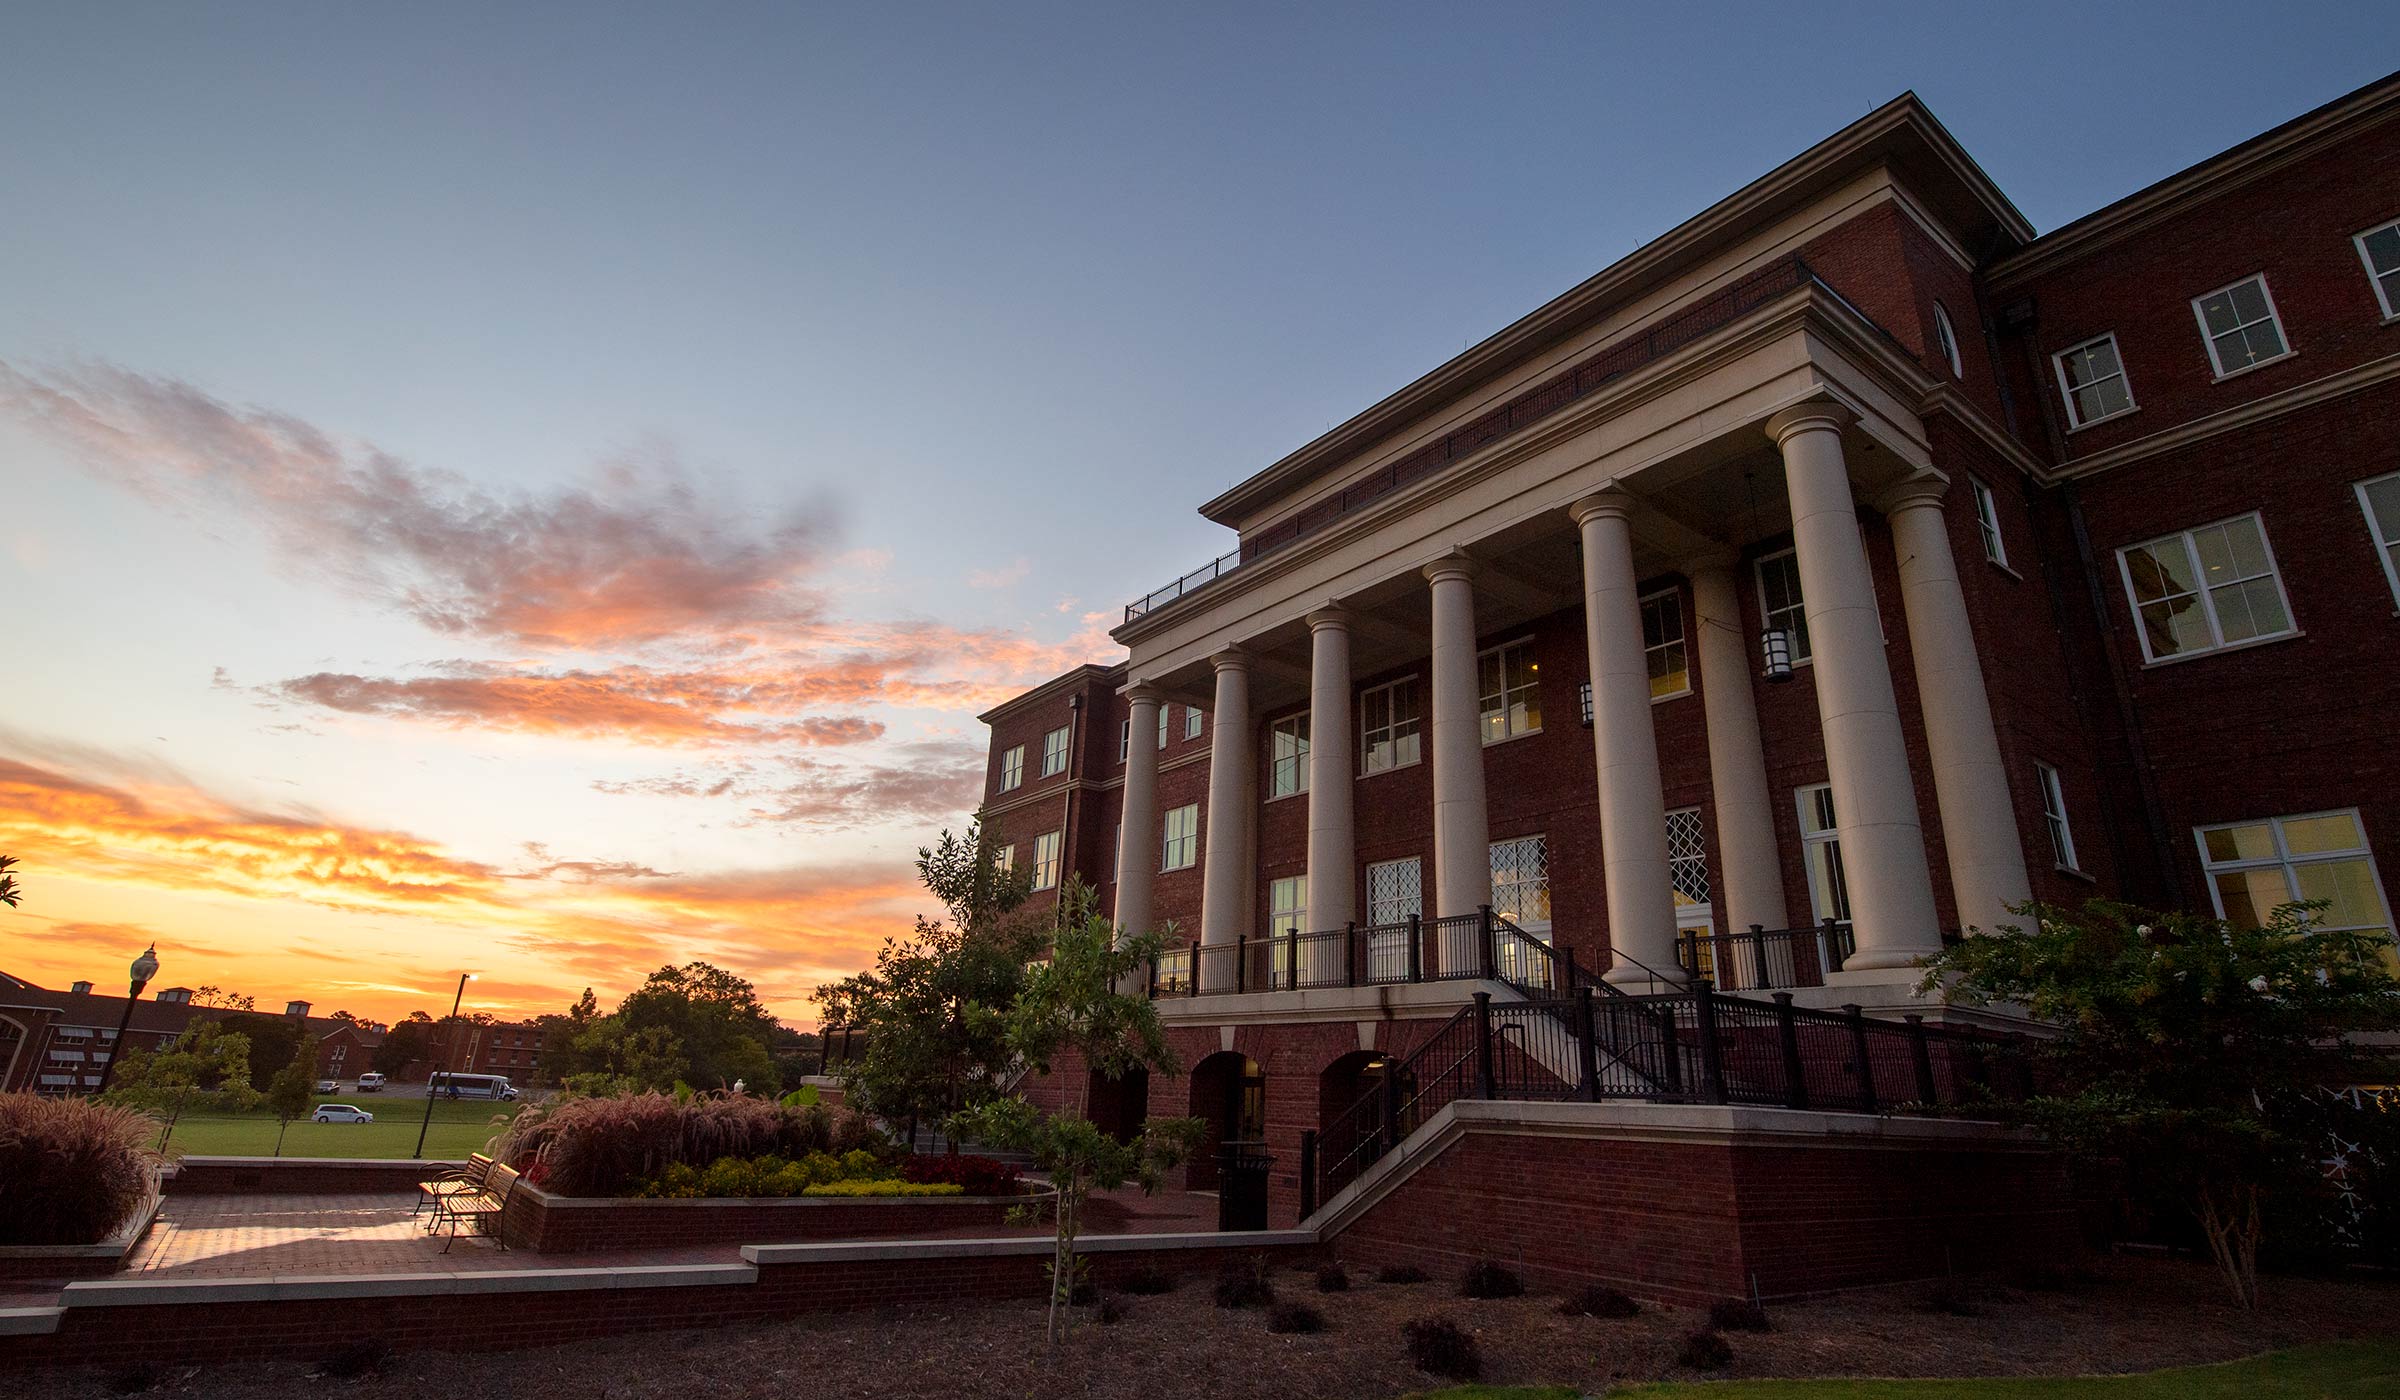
(1230, 659)
(1922, 489)
(1611, 502)
(1816, 414)
(1143, 693)
(1456, 564)
(1332, 616)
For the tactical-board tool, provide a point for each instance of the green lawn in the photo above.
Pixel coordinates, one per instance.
(458, 1129)
(2332, 1371)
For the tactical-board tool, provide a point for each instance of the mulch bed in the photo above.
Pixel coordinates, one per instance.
(2122, 1314)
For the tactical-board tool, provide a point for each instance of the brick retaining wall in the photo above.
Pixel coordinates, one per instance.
(548, 1224)
(250, 1176)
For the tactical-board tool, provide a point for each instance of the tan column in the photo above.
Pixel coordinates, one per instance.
(1332, 836)
(1633, 807)
(1748, 870)
(1866, 759)
(1979, 825)
(1138, 831)
(1462, 857)
(1225, 912)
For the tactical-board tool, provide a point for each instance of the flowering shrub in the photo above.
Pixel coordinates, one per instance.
(978, 1176)
(628, 1143)
(766, 1176)
(887, 1187)
(71, 1170)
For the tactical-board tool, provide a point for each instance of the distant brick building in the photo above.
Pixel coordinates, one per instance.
(60, 1042)
(1848, 564)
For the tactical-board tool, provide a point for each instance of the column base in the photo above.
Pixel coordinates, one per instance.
(1885, 960)
(1641, 981)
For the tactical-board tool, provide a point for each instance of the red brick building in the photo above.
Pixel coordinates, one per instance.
(60, 1042)
(1848, 564)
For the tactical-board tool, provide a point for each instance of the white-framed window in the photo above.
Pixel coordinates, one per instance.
(1521, 883)
(1012, 769)
(2379, 249)
(1124, 740)
(1662, 641)
(1987, 520)
(1821, 853)
(2093, 379)
(1287, 905)
(1180, 850)
(1164, 710)
(1395, 890)
(2380, 499)
(1004, 858)
(2254, 867)
(1946, 336)
(2054, 816)
(2239, 325)
(1512, 691)
(1287, 756)
(1191, 721)
(1779, 601)
(1390, 727)
(1045, 859)
(1054, 751)
(2203, 589)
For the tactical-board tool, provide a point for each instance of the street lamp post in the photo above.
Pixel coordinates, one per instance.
(144, 968)
(443, 1062)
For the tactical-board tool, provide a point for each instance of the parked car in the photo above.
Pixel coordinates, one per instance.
(370, 1083)
(340, 1113)
(329, 1086)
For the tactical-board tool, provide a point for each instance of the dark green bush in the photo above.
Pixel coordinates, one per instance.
(1440, 1347)
(1112, 1310)
(1246, 1288)
(71, 1170)
(1705, 1350)
(1486, 1279)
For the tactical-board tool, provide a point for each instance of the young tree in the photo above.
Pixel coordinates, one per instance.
(2188, 1046)
(1071, 1003)
(716, 1019)
(929, 1017)
(292, 1092)
(207, 1067)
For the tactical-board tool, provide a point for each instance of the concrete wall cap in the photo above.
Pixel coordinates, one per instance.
(863, 1251)
(29, 1322)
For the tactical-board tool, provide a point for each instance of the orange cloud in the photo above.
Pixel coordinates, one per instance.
(629, 704)
(338, 914)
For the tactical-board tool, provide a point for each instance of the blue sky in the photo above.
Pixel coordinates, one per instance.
(971, 304)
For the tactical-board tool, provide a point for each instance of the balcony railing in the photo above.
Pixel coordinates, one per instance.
(1463, 947)
(1587, 377)
(1763, 959)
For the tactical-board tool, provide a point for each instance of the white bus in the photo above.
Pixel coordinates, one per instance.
(470, 1086)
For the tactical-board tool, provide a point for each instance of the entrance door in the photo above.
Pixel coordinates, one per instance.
(1229, 1095)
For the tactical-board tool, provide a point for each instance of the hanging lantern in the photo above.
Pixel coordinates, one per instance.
(1775, 648)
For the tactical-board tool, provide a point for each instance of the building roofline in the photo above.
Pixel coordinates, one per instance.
(2302, 136)
(1902, 130)
(1086, 674)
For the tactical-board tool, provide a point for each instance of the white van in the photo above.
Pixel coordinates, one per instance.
(370, 1083)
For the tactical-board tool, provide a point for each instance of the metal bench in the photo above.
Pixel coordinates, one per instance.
(478, 1210)
(458, 1183)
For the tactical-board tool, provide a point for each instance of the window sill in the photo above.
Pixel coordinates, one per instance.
(2294, 635)
(1395, 768)
(2002, 566)
(2254, 364)
(1511, 738)
(1683, 694)
(2075, 872)
(1273, 798)
(2109, 418)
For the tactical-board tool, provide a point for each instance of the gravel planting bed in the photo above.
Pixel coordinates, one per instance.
(2124, 1315)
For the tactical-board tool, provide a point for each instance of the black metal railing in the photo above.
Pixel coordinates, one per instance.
(1589, 376)
(1462, 947)
(1693, 1046)
(1762, 959)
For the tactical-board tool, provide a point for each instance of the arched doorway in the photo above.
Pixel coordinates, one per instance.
(1229, 1094)
(1350, 1114)
(1119, 1106)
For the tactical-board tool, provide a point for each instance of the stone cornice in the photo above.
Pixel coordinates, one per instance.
(1082, 675)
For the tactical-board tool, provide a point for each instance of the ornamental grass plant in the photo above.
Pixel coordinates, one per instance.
(614, 1145)
(71, 1170)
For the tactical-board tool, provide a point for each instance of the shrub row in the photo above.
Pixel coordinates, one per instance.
(976, 1176)
(769, 1176)
(611, 1146)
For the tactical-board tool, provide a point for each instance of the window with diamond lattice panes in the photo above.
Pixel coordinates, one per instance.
(1395, 893)
(1521, 900)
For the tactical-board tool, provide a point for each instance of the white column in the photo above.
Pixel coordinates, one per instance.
(1225, 912)
(1979, 826)
(1866, 759)
(1138, 831)
(1633, 807)
(1749, 872)
(1332, 836)
(1462, 840)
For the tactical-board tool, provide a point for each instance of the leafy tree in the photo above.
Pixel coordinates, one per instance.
(205, 1068)
(610, 1057)
(715, 1017)
(930, 1015)
(10, 890)
(2188, 1046)
(275, 1041)
(212, 996)
(405, 1044)
(292, 1092)
(1071, 1003)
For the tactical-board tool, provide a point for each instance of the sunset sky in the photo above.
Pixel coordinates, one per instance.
(545, 491)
